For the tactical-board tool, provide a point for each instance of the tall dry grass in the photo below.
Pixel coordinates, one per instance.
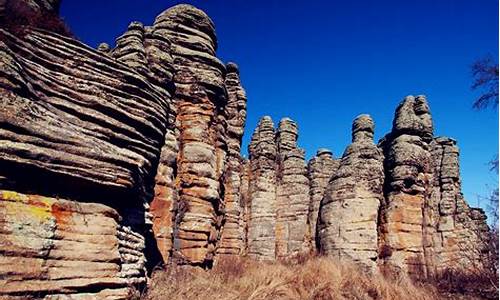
(318, 278)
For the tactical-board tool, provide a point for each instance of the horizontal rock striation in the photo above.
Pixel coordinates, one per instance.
(118, 159)
(261, 227)
(459, 228)
(232, 234)
(66, 248)
(76, 122)
(348, 215)
(292, 192)
(319, 170)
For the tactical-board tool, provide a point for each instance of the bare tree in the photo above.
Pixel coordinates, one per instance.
(485, 74)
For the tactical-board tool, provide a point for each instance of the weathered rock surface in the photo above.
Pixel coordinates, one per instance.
(348, 215)
(115, 160)
(232, 235)
(292, 192)
(319, 169)
(459, 228)
(277, 202)
(261, 232)
(409, 173)
(55, 246)
(76, 121)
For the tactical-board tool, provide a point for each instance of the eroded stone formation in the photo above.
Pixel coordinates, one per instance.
(319, 170)
(118, 159)
(232, 236)
(348, 219)
(142, 141)
(80, 140)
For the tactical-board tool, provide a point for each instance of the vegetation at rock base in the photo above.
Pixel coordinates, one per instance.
(313, 278)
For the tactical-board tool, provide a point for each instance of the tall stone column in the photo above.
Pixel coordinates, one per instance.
(319, 170)
(231, 242)
(262, 221)
(292, 193)
(408, 165)
(347, 224)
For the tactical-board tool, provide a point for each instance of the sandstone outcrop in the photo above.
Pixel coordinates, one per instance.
(319, 170)
(232, 234)
(408, 165)
(459, 228)
(292, 192)
(261, 227)
(348, 215)
(118, 159)
(278, 200)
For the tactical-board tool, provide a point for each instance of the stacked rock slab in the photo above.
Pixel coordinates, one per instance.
(232, 236)
(292, 191)
(187, 210)
(199, 99)
(319, 169)
(348, 215)
(261, 235)
(408, 166)
(277, 203)
(457, 240)
(76, 125)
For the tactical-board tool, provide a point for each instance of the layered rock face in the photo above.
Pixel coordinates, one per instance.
(148, 132)
(80, 126)
(277, 203)
(409, 175)
(398, 207)
(292, 192)
(459, 228)
(348, 217)
(319, 169)
(232, 237)
(261, 227)
(118, 159)
(200, 162)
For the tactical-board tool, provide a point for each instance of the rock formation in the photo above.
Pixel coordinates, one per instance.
(457, 239)
(292, 192)
(118, 159)
(278, 194)
(261, 232)
(80, 126)
(232, 238)
(319, 170)
(348, 217)
(408, 165)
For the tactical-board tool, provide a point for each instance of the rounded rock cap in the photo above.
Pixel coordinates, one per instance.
(363, 128)
(232, 67)
(363, 122)
(190, 16)
(323, 151)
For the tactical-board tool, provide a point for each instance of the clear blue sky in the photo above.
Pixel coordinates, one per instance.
(324, 62)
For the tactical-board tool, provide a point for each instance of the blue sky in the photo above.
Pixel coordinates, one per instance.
(322, 63)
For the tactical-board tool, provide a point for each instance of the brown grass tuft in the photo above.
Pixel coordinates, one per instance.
(318, 278)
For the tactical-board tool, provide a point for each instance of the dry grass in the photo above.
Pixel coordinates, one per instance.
(317, 278)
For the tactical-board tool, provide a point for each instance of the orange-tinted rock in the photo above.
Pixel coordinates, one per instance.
(60, 246)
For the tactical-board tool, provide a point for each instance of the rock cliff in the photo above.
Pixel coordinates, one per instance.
(117, 159)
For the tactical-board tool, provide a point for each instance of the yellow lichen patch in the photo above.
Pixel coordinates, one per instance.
(28, 219)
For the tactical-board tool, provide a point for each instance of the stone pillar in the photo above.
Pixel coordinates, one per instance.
(408, 165)
(319, 170)
(292, 193)
(347, 224)
(231, 242)
(262, 221)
